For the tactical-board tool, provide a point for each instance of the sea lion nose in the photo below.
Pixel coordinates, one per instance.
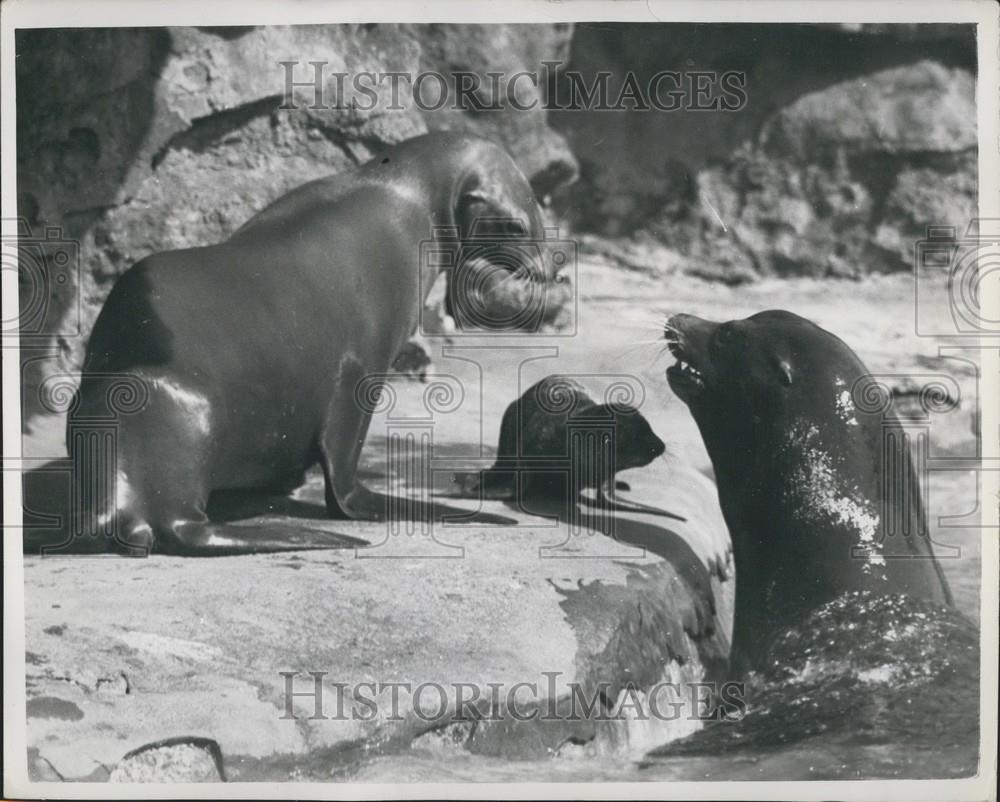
(680, 323)
(688, 330)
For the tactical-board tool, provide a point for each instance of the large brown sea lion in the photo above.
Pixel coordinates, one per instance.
(248, 354)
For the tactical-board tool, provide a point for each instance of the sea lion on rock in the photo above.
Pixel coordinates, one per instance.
(841, 621)
(249, 353)
(535, 449)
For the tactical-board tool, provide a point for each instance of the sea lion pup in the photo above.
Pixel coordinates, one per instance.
(831, 606)
(250, 353)
(535, 445)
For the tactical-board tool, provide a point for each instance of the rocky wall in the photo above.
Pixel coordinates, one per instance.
(130, 141)
(133, 141)
(852, 140)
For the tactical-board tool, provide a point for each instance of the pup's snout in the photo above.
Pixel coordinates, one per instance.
(659, 447)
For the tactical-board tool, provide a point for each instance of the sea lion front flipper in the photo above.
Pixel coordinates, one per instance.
(609, 501)
(193, 539)
(381, 505)
(481, 485)
(444, 513)
(340, 447)
(344, 431)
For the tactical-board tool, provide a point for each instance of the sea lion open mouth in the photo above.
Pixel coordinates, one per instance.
(683, 371)
(686, 376)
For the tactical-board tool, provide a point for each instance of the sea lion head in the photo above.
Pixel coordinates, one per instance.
(764, 369)
(497, 213)
(508, 267)
(636, 444)
(761, 387)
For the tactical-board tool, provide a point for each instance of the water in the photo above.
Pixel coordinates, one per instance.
(867, 687)
(813, 761)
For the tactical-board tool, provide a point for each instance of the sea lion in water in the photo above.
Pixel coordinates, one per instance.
(250, 352)
(799, 469)
(840, 621)
(535, 447)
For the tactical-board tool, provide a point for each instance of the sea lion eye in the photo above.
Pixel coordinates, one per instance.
(784, 372)
(724, 336)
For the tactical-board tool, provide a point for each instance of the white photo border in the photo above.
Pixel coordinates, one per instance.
(15, 14)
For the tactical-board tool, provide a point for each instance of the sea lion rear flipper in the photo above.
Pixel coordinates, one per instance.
(464, 484)
(379, 506)
(608, 500)
(456, 515)
(222, 540)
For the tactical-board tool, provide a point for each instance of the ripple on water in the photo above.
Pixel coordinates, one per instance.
(868, 685)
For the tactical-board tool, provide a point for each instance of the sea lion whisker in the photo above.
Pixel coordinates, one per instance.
(654, 359)
(634, 347)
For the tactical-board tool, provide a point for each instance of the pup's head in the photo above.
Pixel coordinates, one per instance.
(636, 444)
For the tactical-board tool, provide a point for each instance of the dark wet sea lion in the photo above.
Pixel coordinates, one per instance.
(841, 622)
(249, 353)
(799, 469)
(535, 450)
